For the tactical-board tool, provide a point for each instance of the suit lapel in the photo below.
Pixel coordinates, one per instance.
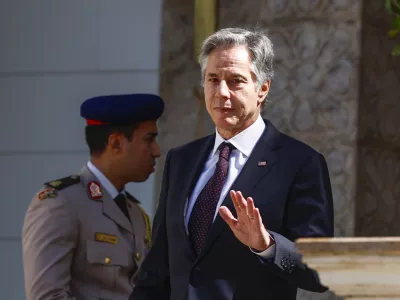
(110, 208)
(192, 169)
(258, 165)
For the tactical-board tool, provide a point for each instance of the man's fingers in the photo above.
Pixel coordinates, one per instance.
(257, 219)
(237, 203)
(227, 216)
(250, 207)
(241, 201)
(234, 201)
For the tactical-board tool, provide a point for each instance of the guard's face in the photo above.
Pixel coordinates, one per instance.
(232, 97)
(140, 154)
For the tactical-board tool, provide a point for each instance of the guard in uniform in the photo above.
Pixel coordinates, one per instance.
(84, 236)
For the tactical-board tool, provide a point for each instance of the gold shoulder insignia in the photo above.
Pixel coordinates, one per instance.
(55, 183)
(47, 193)
(62, 183)
(147, 239)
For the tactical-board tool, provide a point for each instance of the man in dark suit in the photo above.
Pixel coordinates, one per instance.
(232, 203)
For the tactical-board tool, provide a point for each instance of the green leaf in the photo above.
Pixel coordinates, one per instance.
(396, 51)
(393, 33)
(393, 7)
(396, 23)
(388, 5)
(397, 5)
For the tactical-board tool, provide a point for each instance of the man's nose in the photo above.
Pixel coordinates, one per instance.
(156, 150)
(223, 90)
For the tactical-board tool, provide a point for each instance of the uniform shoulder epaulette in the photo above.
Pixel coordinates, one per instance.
(62, 183)
(130, 197)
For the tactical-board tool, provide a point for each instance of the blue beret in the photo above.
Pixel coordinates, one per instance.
(122, 109)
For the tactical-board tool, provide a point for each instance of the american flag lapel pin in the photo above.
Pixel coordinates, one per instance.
(262, 163)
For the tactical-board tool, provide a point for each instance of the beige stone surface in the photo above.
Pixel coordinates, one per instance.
(387, 246)
(356, 267)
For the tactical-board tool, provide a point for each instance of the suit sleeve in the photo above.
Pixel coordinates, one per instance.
(153, 281)
(309, 213)
(48, 239)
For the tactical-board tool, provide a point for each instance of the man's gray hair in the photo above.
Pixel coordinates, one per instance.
(257, 42)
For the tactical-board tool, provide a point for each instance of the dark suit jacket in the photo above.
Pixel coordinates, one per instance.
(293, 194)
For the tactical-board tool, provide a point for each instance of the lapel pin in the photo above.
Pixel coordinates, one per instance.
(262, 163)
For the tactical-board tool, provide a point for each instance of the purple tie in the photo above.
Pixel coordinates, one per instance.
(203, 211)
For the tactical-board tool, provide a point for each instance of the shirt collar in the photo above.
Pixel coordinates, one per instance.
(109, 187)
(246, 140)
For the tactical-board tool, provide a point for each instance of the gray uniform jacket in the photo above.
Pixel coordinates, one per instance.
(78, 244)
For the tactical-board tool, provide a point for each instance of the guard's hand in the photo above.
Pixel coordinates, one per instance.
(248, 227)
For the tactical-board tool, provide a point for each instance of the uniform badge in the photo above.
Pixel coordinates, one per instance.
(106, 238)
(47, 193)
(262, 163)
(94, 190)
(55, 183)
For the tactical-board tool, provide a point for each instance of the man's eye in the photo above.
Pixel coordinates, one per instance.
(212, 79)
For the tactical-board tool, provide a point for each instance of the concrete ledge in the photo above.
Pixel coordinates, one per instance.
(356, 268)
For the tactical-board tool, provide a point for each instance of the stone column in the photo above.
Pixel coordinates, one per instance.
(378, 163)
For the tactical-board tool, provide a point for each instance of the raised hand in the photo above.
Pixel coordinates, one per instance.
(248, 226)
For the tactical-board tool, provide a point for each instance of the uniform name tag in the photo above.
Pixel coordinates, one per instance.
(106, 238)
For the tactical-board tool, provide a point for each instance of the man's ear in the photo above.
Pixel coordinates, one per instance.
(263, 91)
(115, 142)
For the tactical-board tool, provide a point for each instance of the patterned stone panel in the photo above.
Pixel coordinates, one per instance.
(378, 166)
(287, 11)
(314, 98)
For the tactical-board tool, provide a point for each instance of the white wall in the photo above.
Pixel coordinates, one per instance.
(53, 55)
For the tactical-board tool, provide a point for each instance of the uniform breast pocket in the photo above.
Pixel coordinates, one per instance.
(105, 262)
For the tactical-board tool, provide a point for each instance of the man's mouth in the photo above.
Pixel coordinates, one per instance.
(224, 109)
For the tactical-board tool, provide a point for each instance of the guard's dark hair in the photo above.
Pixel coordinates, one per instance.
(97, 135)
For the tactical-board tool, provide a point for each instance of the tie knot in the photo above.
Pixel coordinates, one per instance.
(120, 197)
(225, 150)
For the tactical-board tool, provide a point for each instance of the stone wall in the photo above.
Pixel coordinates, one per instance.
(315, 92)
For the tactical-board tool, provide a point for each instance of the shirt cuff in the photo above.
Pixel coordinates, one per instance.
(267, 253)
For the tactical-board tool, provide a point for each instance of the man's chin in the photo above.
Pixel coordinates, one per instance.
(142, 178)
(226, 123)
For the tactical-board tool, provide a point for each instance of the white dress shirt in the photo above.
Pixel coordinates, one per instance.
(105, 183)
(244, 143)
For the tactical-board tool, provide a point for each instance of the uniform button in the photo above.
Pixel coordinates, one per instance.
(107, 260)
(137, 256)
